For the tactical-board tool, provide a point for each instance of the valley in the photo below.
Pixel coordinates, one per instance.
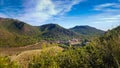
(59, 33)
(53, 46)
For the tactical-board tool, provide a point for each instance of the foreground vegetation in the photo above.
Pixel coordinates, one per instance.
(102, 52)
(5, 62)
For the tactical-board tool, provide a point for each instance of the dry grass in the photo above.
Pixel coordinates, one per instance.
(9, 51)
(25, 57)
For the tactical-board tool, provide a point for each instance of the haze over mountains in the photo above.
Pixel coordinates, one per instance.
(17, 33)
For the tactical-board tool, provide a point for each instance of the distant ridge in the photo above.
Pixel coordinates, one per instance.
(17, 33)
(87, 31)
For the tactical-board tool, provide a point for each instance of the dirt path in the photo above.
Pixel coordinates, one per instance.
(16, 50)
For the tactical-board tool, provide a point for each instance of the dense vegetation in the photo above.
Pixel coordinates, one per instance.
(102, 52)
(5, 62)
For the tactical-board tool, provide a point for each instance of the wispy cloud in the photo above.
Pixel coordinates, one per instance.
(65, 5)
(37, 11)
(109, 16)
(107, 7)
(103, 21)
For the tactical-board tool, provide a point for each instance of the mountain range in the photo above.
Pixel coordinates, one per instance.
(17, 33)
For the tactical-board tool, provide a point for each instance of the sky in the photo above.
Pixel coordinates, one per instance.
(101, 14)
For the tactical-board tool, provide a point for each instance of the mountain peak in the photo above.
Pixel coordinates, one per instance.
(50, 26)
(57, 32)
(14, 25)
(87, 30)
(83, 26)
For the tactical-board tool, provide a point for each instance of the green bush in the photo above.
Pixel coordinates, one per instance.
(6, 63)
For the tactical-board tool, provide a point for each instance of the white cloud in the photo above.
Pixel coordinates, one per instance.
(109, 18)
(65, 5)
(102, 6)
(36, 12)
(104, 21)
(41, 12)
(110, 14)
(107, 7)
(101, 21)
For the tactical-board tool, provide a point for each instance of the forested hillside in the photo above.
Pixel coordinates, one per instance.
(16, 33)
(87, 31)
(56, 32)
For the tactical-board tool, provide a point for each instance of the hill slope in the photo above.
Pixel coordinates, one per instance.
(111, 37)
(56, 32)
(16, 26)
(16, 33)
(87, 31)
(109, 44)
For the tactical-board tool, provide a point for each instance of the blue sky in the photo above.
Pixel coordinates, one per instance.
(102, 14)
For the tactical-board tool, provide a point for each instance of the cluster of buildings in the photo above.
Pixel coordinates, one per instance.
(71, 42)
